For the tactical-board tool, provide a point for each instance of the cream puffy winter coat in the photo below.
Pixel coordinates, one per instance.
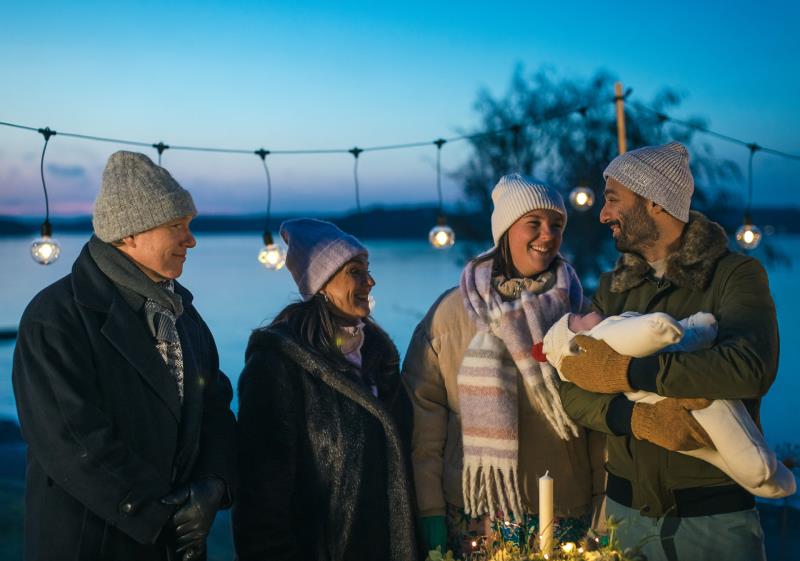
(429, 373)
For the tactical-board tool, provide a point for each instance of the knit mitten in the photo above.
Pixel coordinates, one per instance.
(597, 367)
(669, 423)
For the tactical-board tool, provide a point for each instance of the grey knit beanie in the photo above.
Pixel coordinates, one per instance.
(317, 250)
(516, 195)
(137, 195)
(658, 173)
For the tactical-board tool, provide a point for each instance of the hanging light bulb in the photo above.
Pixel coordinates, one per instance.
(581, 198)
(272, 255)
(45, 249)
(441, 236)
(748, 236)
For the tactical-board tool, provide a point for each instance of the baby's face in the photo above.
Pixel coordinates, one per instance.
(583, 322)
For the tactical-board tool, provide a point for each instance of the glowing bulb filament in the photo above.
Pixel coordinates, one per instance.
(45, 250)
(748, 236)
(581, 198)
(272, 256)
(442, 237)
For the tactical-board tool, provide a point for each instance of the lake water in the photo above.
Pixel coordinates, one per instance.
(235, 294)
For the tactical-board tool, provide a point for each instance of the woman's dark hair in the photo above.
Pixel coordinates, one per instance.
(314, 326)
(502, 265)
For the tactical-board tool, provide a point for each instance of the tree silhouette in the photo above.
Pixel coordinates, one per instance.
(568, 148)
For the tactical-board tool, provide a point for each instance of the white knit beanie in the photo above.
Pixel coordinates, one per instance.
(658, 173)
(516, 195)
(317, 250)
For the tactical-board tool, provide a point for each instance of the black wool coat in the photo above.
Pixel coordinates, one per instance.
(107, 435)
(323, 467)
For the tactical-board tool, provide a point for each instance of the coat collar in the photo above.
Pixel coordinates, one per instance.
(692, 266)
(124, 329)
(378, 354)
(94, 290)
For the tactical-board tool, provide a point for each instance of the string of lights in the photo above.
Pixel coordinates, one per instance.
(161, 147)
(664, 118)
(514, 128)
(441, 236)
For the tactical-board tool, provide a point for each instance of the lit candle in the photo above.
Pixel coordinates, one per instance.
(546, 513)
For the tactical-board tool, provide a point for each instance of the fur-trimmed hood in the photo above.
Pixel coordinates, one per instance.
(703, 244)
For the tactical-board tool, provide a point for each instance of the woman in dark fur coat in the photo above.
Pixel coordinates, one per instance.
(324, 422)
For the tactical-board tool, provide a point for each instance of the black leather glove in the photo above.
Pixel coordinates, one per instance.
(198, 504)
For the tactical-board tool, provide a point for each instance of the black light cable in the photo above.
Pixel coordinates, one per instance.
(271, 256)
(748, 236)
(663, 117)
(160, 147)
(309, 151)
(356, 151)
(45, 249)
(441, 236)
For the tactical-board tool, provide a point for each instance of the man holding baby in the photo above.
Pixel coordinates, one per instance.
(673, 505)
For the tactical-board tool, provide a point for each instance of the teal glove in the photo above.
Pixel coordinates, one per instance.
(435, 532)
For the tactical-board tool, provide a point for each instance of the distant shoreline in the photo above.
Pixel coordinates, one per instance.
(380, 223)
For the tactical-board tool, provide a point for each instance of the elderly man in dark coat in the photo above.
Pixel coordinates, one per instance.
(118, 388)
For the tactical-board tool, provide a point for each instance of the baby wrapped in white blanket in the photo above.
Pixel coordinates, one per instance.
(741, 451)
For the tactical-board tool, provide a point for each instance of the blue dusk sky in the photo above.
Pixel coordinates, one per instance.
(295, 75)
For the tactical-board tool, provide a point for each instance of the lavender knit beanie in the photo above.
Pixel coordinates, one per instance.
(658, 173)
(516, 195)
(317, 250)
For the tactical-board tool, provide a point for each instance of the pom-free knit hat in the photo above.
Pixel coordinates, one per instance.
(657, 173)
(135, 196)
(317, 250)
(516, 195)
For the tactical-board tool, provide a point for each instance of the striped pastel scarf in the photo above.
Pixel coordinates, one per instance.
(487, 382)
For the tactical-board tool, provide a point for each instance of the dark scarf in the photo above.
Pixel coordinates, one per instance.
(162, 306)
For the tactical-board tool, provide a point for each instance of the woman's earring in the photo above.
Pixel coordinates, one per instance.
(325, 296)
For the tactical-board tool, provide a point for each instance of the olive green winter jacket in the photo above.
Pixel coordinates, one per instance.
(702, 276)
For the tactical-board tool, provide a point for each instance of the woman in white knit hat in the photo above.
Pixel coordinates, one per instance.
(488, 420)
(324, 423)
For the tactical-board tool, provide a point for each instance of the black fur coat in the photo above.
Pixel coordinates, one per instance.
(323, 463)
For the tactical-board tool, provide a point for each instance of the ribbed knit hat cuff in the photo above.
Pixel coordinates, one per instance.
(327, 263)
(118, 223)
(640, 178)
(516, 204)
